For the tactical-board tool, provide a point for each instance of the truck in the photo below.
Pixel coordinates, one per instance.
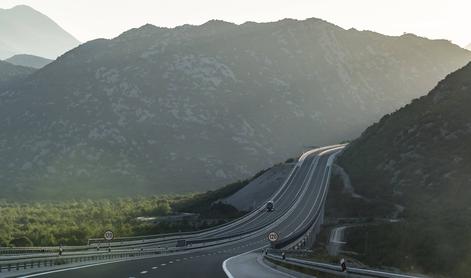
(270, 206)
(181, 243)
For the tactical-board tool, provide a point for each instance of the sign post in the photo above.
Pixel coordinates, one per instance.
(108, 235)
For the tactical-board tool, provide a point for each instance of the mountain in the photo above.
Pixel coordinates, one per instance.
(25, 30)
(420, 157)
(188, 109)
(10, 73)
(28, 61)
(468, 46)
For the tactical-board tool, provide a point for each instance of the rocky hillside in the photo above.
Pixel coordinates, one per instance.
(25, 30)
(194, 107)
(420, 157)
(28, 61)
(10, 73)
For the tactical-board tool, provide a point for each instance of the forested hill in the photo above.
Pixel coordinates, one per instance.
(420, 157)
(190, 108)
(10, 73)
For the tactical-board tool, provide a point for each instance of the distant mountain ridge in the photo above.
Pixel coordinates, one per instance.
(27, 31)
(190, 108)
(420, 157)
(28, 61)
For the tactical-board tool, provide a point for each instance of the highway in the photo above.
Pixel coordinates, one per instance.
(297, 202)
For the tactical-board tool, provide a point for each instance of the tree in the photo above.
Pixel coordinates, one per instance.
(22, 241)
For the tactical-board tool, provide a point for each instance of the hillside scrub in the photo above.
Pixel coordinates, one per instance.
(420, 157)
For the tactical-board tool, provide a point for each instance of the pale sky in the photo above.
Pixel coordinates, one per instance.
(90, 19)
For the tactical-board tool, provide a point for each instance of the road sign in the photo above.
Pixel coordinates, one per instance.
(108, 235)
(273, 236)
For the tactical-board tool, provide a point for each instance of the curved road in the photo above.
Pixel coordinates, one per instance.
(297, 202)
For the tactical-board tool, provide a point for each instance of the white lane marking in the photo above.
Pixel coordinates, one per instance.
(262, 263)
(70, 268)
(313, 165)
(224, 264)
(144, 272)
(155, 267)
(98, 264)
(163, 264)
(333, 152)
(256, 212)
(171, 262)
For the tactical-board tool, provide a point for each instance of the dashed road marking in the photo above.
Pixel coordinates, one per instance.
(154, 267)
(144, 272)
(163, 264)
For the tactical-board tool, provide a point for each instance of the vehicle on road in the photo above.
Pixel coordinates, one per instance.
(270, 206)
(343, 265)
(181, 243)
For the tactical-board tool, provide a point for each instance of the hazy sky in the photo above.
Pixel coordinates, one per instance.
(89, 19)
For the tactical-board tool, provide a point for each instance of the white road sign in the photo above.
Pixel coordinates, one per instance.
(108, 235)
(273, 236)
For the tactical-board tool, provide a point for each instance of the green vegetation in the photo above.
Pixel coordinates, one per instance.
(419, 157)
(340, 204)
(418, 245)
(73, 222)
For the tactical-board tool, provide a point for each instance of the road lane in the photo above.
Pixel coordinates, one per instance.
(300, 192)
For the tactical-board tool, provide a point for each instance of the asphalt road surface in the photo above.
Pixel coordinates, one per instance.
(295, 204)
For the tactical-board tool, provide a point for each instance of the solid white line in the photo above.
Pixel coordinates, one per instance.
(262, 263)
(310, 173)
(224, 264)
(70, 268)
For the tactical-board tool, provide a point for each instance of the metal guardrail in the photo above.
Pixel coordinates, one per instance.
(17, 264)
(40, 250)
(330, 268)
(136, 240)
(35, 263)
(305, 234)
(309, 231)
(147, 239)
(55, 260)
(183, 235)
